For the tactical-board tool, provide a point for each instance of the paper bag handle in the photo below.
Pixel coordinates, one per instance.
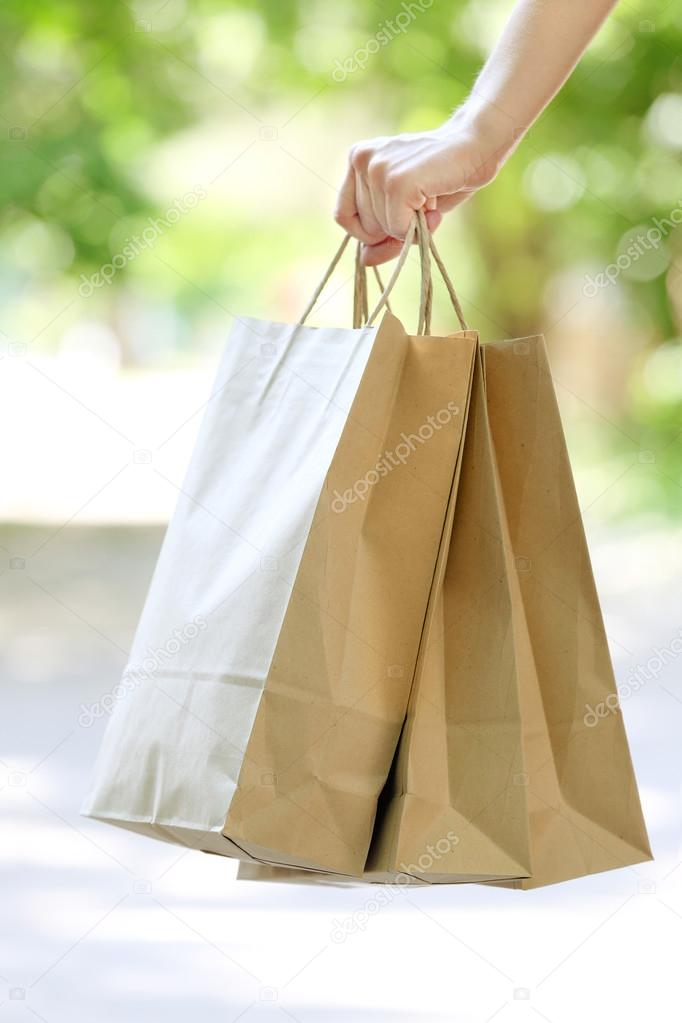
(360, 306)
(360, 303)
(427, 248)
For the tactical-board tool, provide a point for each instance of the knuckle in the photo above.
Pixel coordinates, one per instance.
(378, 168)
(360, 155)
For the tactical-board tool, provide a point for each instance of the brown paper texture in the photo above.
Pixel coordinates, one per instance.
(335, 699)
(584, 810)
(454, 810)
(498, 778)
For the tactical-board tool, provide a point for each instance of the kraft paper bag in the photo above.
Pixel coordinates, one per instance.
(450, 811)
(272, 665)
(453, 810)
(500, 769)
(328, 738)
(330, 716)
(583, 806)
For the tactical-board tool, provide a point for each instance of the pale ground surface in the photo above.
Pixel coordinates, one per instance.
(98, 924)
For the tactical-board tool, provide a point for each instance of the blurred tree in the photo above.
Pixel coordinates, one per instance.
(90, 94)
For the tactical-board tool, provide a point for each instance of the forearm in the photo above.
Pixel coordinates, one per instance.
(539, 47)
(390, 177)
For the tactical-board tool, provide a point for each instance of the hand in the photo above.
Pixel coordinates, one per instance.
(388, 178)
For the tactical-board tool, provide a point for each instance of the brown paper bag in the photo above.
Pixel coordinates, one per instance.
(583, 804)
(301, 553)
(500, 776)
(330, 716)
(453, 809)
(498, 762)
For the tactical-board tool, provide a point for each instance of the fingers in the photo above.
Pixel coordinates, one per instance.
(375, 202)
(382, 252)
(433, 219)
(395, 195)
(399, 210)
(367, 215)
(346, 212)
(385, 184)
(374, 255)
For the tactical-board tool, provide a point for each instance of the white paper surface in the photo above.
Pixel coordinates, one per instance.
(174, 745)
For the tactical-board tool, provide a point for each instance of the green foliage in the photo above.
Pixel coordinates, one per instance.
(93, 94)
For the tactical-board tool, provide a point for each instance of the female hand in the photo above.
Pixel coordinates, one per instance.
(389, 178)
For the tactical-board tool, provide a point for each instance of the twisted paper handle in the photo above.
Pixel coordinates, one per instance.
(419, 228)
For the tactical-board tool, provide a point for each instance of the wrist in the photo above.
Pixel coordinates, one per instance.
(494, 132)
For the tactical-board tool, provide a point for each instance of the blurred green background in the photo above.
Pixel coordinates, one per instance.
(228, 125)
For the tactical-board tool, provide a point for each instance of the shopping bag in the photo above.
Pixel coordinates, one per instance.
(453, 809)
(498, 762)
(500, 775)
(583, 804)
(272, 665)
